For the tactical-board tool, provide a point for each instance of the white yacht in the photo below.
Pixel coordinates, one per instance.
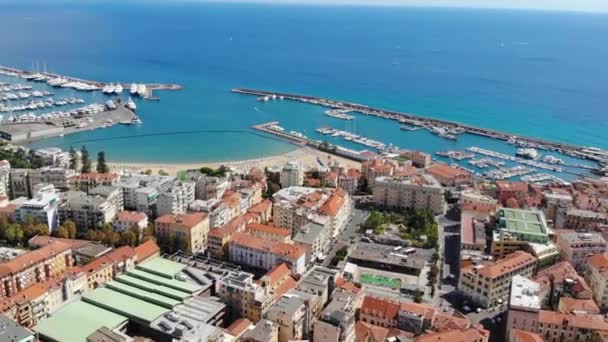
(110, 104)
(130, 104)
(141, 90)
(133, 89)
(528, 153)
(118, 88)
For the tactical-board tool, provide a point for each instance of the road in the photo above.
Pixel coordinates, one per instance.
(350, 232)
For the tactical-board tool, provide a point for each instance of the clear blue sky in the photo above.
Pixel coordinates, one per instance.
(563, 5)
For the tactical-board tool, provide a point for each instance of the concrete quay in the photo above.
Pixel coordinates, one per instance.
(571, 149)
(24, 132)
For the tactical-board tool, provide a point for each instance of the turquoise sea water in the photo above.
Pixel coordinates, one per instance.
(541, 74)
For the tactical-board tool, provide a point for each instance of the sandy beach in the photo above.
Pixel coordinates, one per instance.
(306, 156)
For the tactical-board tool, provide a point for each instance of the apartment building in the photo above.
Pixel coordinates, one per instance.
(254, 252)
(90, 211)
(127, 220)
(419, 159)
(448, 175)
(372, 169)
(41, 208)
(312, 237)
(597, 278)
(292, 174)
(289, 313)
(23, 181)
(489, 285)
(193, 229)
(337, 321)
(577, 247)
(524, 304)
(269, 233)
(87, 181)
(176, 199)
(421, 192)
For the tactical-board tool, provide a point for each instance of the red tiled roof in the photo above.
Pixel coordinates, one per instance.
(464, 335)
(347, 286)
(40, 241)
(380, 307)
(511, 186)
(130, 216)
(277, 248)
(277, 273)
(525, 336)
(287, 285)
(187, 220)
(146, 250)
(261, 207)
(570, 305)
(600, 263)
(512, 261)
(591, 322)
(121, 254)
(268, 229)
(32, 258)
(238, 327)
(334, 203)
(446, 171)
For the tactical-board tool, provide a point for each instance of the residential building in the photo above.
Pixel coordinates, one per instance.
(597, 277)
(216, 210)
(524, 304)
(176, 199)
(472, 232)
(5, 177)
(312, 237)
(577, 247)
(264, 331)
(13, 332)
(471, 200)
(292, 174)
(269, 233)
(419, 159)
(421, 192)
(296, 206)
(147, 250)
(221, 236)
(141, 192)
(337, 321)
(374, 168)
(464, 335)
(524, 336)
(289, 313)
(41, 208)
(337, 207)
(87, 181)
(191, 229)
(23, 181)
(349, 180)
(584, 220)
(448, 175)
(557, 327)
(507, 189)
(561, 280)
(90, 211)
(208, 187)
(258, 253)
(489, 285)
(127, 220)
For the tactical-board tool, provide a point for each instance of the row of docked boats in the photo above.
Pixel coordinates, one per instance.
(5, 87)
(134, 89)
(55, 115)
(22, 95)
(352, 137)
(39, 104)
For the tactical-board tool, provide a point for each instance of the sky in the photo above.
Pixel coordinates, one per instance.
(561, 5)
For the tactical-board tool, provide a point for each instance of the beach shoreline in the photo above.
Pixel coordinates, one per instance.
(308, 157)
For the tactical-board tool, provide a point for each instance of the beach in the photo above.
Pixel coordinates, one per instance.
(306, 156)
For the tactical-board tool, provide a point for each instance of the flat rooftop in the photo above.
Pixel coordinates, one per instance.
(124, 304)
(76, 321)
(522, 221)
(525, 294)
(171, 283)
(162, 267)
(147, 296)
(152, 287)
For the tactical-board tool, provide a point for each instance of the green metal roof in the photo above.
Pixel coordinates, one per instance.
(162, 267)
(150, 297)
(172, 283)
(153, 287)
(76, 321)
(526, 221)
(131, 307)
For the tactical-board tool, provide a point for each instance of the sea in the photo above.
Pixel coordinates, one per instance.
(535, 73)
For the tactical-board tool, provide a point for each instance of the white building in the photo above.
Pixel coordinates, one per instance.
(412, 192)
(524, 305)
(175, 201)
(5, 173)
(217, 211)
(89, 211)
(292, 174)
(41, 208)
(126, 220)
(261, 254)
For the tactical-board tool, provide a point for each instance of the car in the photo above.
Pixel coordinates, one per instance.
(478, 310)
(466, 308)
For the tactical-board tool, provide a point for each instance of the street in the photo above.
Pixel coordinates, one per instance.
(350, 232)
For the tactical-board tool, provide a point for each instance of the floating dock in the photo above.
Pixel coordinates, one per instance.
(575, 150)
(150, 88)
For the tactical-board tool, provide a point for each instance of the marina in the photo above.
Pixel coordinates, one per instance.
(339, 114)
(448, 127)
(145, 91)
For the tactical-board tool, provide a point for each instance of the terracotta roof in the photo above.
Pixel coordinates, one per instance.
(515, 260)
(287, 285)
(130, 216)
(9, 209)
(233, 200)
(32, 258)
(95, 176)
(334, 203)
(268, 229)
(525, 336)
(352, 172)
(238, 327)
(600, 263)
(261, 207)
(277, 248)
(558, 273)
(347, 286)
(444, 322)
(464, 335)
(277, 273)
(121, 254)
(380, 307)
(591, 322)
(511, 186)
(370, 333)
(187, 220)
(312, 182)
(146, 250)
(446, 171)
(97, 265)
(570, 305)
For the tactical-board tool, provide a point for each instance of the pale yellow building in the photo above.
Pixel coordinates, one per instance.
(191, 228)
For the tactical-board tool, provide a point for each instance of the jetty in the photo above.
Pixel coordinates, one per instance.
(98, 85)
(421, 121)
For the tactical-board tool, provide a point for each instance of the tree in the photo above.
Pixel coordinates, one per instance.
(86, 162)
(418, 296)
(14, 233)
(62, 233)
(73, 158)
(128, 238)
(102, 167)
(162, 173)
(71, 229)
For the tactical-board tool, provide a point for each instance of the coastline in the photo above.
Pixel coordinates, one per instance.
(306, 156)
